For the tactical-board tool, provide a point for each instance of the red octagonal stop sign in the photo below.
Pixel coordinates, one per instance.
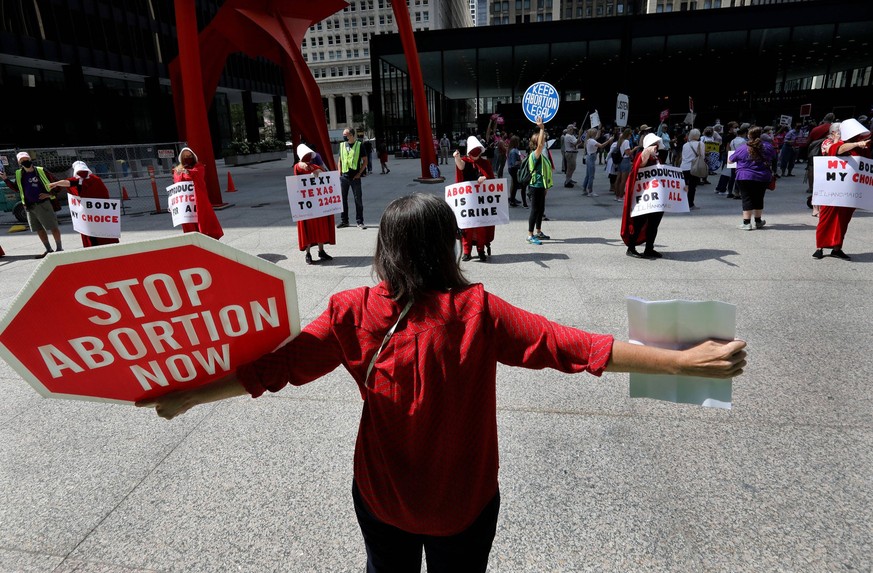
(133, 321)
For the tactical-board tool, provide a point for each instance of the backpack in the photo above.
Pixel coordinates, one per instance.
(814, 149)
(524, 173)
(616, 155)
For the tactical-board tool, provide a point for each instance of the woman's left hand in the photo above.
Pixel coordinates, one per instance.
(481, 179)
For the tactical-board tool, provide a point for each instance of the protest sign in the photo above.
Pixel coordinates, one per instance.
(182, 203)
(144, 319)
(595, 119)
(806, 110)
(166, 153)
(540, 100)
(843, 182)
(689, 118)
(785, 120)
(479, 204)
(621, 110)
(313, 196)
(95, 217)
(677, 325)
(659, 188)
(711, 147)
(665, 115)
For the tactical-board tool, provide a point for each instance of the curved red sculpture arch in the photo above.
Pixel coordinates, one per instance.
(273, 29)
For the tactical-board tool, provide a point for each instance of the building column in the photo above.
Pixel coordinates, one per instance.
(331, 110)
(365, 103)
(278, 118)
(348, 108)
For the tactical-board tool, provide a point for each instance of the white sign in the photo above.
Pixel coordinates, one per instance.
(689, 118)
(621, 110)
(595, 119)
(731, 164)
(677, 325)
(166, 153)
(95, 217)
(843, 182)
(479, 204)
(312, 196)
(785, 120)
(4, 160)
(182, 203)
(659, 188)
(540, 100)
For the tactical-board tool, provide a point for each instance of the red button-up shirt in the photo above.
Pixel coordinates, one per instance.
(426, 453)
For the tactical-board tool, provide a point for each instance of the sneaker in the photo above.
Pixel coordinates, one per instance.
(727, 195)
(542, 236)
(532, 239)
(760, 224)
(466, 257)
(694, 208)
(545, 218)
(818, 254)
(838, 253)
(745, 227)
(568, 185)
(342, 225)
(361, 226)
(722, 193)
(593, 194)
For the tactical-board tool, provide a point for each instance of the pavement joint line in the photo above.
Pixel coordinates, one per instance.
(156, 465)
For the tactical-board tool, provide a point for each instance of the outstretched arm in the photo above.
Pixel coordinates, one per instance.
(711, 359)
(171, 405)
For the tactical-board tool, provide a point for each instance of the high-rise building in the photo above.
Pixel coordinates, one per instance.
(572, 9)
(337, 50)
(658, 6)
(523, 11)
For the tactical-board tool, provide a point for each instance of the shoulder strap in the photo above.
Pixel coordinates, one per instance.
(385, 342)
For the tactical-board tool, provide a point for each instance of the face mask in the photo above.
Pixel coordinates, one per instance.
(27, 163)
(82, 174)
(345, 138)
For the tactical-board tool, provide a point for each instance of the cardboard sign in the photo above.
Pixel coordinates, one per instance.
(144, 319)
(806, 110)
(785, 120)
(540, 100)
(843, 182)
(4, 161)
(659, 188)
(313, 196)
(95, 217)
(479, 204)
(664, 115)
(689, 118)
(711, 147)
(730, 164)
(621, 110)
(182, 203)
(166, 153)
(595, 119)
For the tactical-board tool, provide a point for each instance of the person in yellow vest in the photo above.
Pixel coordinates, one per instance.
(353, 163)
(33, 186)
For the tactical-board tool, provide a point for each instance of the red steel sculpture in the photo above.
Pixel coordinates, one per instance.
(272, 29)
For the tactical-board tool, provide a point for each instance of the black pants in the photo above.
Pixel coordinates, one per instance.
(347, 181)
(653, 220)
(537, 197)
(691, 181)
(752, 193)
(392, 550)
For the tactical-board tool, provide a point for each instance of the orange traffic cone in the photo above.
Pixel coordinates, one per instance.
(124, 195)
(231, 188)
(2, 253)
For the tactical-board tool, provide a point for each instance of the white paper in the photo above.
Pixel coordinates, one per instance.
(843, 182)
(479, 204)
(677, 325)
(313, 196)
(659, 188)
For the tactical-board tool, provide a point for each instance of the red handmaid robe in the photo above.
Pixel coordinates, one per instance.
(480, 236)
(314, 231)
(628, 223)
(207, 223)
(91, 188)
(833, 222)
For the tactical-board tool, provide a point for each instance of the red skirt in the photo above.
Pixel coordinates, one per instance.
(832, 225)
(480, 236)
(314, 231)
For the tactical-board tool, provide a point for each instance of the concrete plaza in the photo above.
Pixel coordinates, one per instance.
(591, 480)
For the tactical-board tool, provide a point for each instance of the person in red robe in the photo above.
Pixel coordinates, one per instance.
(474, 167)
(834, 221)
(190, 169)
(85, 184)
(643, 228)
(318, 231)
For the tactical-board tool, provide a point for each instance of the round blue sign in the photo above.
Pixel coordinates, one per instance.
(541, 99)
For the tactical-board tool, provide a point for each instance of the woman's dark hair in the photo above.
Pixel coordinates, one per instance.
(415, 249)
(754, 144)
(513, 142)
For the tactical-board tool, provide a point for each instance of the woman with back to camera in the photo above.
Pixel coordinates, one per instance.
(753, 176)
(692, 149)
(426, 454)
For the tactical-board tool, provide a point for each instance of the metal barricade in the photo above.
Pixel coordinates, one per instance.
(131, 172)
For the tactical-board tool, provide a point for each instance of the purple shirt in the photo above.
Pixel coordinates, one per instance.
(32, 186)
(750, 170)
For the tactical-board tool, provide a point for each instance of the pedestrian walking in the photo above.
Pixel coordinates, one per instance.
(754, 173)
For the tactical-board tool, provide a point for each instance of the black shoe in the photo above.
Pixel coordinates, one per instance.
(482, 256)
(652, 254)
(342, 225)
(838, 253)
(322, 256)
(308, 259)
(545, 218)
(466, 257)
(818, 254)
(632, 252)
(488, 249)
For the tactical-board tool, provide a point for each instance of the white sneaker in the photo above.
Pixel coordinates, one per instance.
(593, 194)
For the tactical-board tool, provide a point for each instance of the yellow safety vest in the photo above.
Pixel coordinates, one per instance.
(42, 177)
(350, 157)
